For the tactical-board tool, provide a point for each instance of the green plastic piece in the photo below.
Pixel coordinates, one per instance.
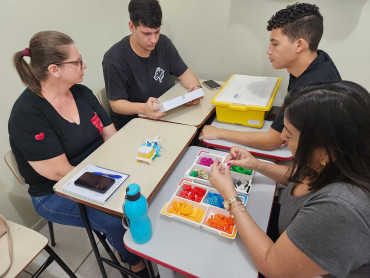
(241, 170)
(194, 174)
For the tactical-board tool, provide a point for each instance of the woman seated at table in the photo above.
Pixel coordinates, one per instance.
(324, 220)
(55, 124)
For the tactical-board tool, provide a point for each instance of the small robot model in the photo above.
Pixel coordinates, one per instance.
(149, 150)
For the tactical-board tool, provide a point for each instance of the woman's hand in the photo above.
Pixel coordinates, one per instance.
(221, 180)
(241, 157)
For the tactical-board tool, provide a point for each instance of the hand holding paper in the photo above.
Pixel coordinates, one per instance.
(152, 109)
(175, 102)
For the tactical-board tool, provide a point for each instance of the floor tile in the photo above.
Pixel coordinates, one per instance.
(24, 274)
(72, 245)
(52, 271)
(90, 268)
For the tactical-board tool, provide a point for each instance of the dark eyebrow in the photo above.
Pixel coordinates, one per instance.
(287, 129)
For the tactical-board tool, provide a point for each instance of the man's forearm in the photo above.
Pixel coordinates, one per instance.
(262, 140)
(188, 79)
(126, 107)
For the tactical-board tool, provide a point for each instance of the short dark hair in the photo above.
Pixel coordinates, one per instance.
(145, 12)
(45, 48)
(299, 20)
(336, 117)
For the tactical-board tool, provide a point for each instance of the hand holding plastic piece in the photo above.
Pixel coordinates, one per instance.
(152, 109)
(241, 157)
(221, 180)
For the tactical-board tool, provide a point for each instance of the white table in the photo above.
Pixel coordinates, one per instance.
(119, 154)
(279, 154)
(191, 250)
(194, 115)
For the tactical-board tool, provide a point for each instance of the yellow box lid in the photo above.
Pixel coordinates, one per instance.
(245, 92)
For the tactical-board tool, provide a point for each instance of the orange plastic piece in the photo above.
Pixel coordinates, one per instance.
(187, 211)
(221, 222)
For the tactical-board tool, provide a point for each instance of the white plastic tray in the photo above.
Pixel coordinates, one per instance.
(208, 209)
(246, 180)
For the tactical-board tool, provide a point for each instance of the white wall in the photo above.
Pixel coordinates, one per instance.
(216, 38)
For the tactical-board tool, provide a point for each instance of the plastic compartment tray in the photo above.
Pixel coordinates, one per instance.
(208, 209)
(243, 188)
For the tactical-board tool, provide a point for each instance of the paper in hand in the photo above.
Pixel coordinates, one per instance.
(177, 101)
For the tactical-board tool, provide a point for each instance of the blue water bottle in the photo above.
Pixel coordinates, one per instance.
(136, 210)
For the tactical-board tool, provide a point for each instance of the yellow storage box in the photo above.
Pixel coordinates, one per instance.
(244, 99)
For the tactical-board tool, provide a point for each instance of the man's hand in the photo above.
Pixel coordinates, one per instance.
(195, 101)
(209, 132)
(151, 110)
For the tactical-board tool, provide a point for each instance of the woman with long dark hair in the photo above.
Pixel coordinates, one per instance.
(324, 220)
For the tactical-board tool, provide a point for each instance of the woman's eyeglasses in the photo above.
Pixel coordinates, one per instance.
(80, 61)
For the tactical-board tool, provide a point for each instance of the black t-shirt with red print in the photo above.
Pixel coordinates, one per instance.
(38, 132)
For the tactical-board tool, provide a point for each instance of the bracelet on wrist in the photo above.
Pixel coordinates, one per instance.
(242, 209)
(236, 203)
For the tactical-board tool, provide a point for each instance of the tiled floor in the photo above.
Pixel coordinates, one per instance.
(73, 246)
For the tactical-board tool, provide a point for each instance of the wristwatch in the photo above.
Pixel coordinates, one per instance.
(227, 203)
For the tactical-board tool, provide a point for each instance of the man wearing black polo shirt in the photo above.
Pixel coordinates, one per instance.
(137, 68)
(295, 35)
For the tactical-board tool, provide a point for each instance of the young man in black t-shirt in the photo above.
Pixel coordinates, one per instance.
(295, 35)
(137, 68)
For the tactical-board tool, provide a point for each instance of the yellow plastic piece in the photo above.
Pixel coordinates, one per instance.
(144, 153)
(164, 211)
(187, 211)
(248, 115)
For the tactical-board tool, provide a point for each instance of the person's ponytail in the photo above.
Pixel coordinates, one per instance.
(25, 73)
(45, 48)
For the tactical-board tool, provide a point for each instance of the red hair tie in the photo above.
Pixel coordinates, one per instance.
(26, 52)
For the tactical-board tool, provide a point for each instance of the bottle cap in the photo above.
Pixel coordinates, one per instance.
(133, 192)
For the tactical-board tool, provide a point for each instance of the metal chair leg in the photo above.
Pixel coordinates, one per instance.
(102, 238)
(60, 261)
(51, 232)
(149, 266)
(48, 261)
(109, 251)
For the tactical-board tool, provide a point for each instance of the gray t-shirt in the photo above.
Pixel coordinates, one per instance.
(134, 78)
(331, 226)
